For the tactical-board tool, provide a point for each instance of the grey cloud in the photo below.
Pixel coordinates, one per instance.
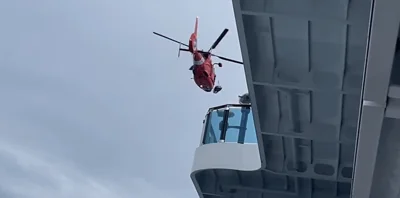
(96, 104)
(29, 175)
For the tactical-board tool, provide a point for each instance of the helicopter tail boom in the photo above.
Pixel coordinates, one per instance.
(196, 25)
(193, 37)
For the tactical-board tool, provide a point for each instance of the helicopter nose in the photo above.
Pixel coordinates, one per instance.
(207, 89)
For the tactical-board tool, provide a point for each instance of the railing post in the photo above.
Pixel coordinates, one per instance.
(225, 124)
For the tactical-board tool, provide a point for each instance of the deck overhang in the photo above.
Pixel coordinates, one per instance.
(372, 92)
(325, 98)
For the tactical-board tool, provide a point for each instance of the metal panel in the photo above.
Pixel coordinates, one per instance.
(304, 63)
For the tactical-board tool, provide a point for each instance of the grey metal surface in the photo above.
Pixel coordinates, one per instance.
(370, 167)
(385, 177)
(304, 64)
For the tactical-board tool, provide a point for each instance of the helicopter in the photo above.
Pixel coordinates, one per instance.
(203, 67)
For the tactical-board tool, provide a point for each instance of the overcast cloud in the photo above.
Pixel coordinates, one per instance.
(92, 104)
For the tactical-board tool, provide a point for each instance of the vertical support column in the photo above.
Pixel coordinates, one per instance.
(380, 52)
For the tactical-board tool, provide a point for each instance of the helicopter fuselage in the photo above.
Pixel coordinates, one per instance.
(204, 74)
(203, 67)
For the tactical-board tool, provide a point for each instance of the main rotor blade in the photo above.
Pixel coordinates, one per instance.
(220, 57)
(227, 59)
(221, 36)
(173, 40)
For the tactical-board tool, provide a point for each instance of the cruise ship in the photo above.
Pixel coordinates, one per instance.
(323, 121)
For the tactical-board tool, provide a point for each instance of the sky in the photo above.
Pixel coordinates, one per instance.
(93, 105)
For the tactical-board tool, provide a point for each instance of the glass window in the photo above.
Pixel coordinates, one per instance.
(213, 126)
(240, 126)
(251, 136)
(233, 129)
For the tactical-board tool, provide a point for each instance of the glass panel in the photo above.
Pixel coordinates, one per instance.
(240, 126)
(233, 129)
(213, 130)
(251, 136)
